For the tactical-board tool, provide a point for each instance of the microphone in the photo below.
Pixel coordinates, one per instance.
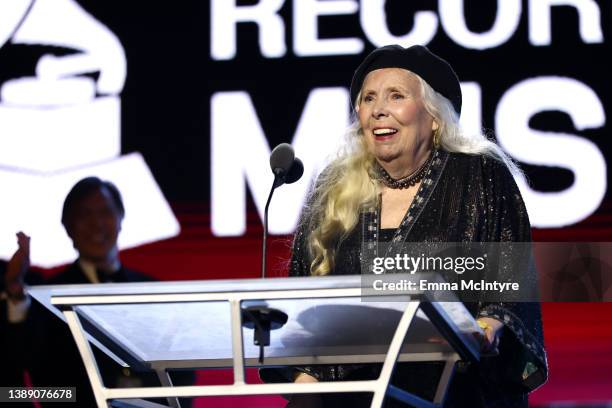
(295, 172)
(281, 160)
(287, 169)
(262, 319)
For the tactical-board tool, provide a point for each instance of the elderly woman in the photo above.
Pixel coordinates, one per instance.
(409, 175)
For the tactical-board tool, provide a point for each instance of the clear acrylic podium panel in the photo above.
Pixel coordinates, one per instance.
(198, 334)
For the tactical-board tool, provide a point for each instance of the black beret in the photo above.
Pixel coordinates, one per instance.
(418, 59)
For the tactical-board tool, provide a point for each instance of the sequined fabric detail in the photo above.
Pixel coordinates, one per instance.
(463, 198)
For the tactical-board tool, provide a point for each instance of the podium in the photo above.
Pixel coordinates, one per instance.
(164, 326)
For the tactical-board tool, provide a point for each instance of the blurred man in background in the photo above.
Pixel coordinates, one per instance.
(92, 215)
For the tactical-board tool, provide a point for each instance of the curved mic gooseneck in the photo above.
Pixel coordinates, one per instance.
(287, 169)
(262, 319)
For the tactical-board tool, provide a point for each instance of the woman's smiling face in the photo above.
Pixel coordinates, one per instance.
(394, 120)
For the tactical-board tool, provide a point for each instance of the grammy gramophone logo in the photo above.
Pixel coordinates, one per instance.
(63, 123)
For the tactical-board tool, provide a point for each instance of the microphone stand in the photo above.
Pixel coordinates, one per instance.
(261, 318)
(279, 180)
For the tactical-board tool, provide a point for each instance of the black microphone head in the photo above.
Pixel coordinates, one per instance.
(295, 172)
(281, 158)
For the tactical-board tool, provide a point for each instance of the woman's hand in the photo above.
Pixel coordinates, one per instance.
(305, 400)
(493, 330)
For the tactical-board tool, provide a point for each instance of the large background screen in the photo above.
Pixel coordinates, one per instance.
(180, 103)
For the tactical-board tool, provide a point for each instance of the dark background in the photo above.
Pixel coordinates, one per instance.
(171, 77)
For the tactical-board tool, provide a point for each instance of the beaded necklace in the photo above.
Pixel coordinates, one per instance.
(405, 182)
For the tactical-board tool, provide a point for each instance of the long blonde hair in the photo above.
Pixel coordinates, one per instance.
(345, 188)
